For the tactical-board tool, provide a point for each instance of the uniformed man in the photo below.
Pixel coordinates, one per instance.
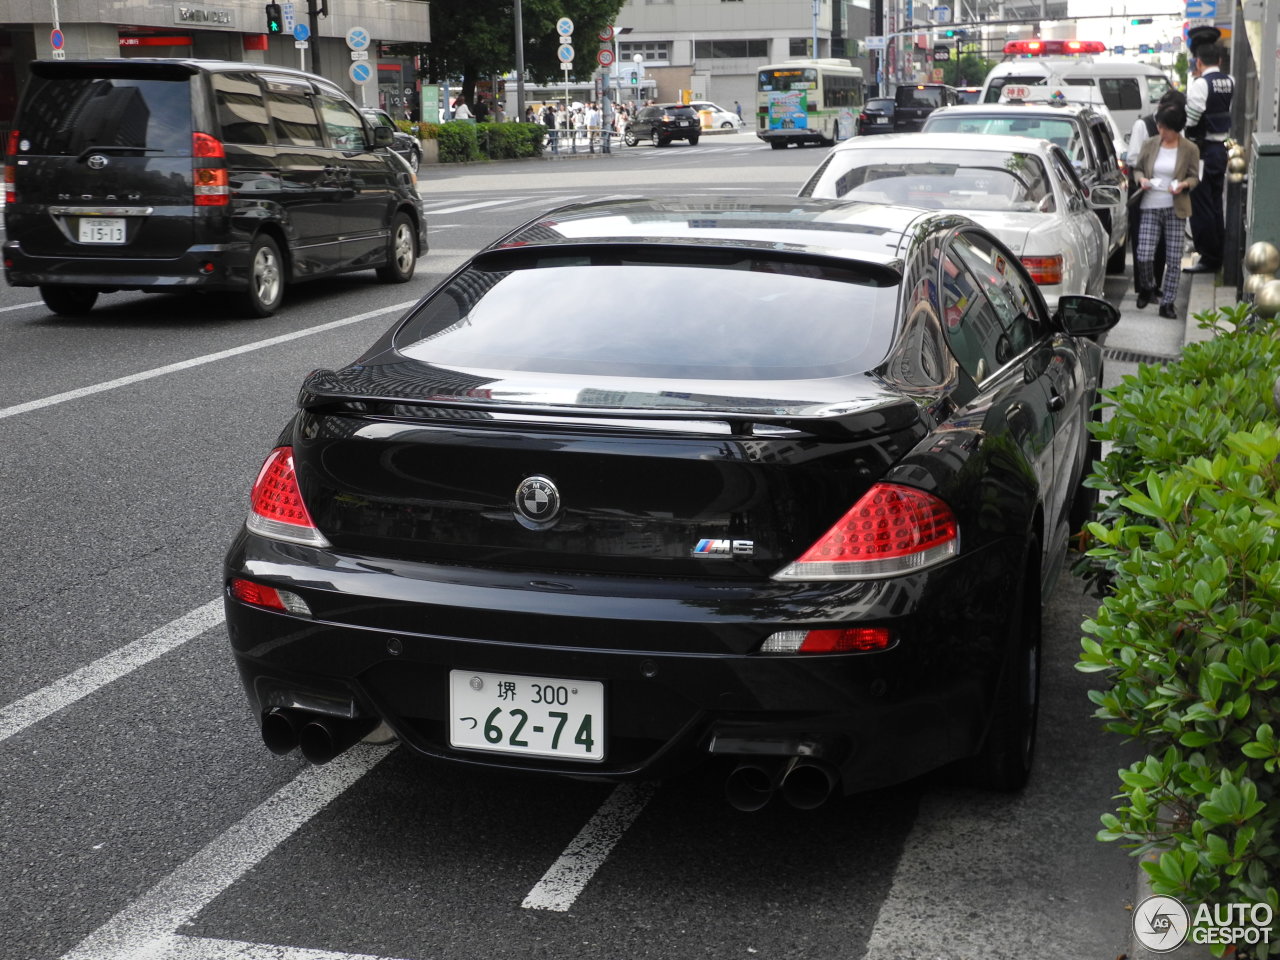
(1208, 125)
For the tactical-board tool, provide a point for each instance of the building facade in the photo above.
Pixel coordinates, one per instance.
(222, 30)
(713, 47)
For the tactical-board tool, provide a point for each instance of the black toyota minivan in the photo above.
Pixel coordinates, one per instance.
(181, 174)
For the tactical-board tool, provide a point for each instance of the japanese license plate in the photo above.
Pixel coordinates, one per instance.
(882, 119)
(531, 716)
(102, 230)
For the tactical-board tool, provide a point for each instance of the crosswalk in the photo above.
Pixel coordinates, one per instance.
(467, 203)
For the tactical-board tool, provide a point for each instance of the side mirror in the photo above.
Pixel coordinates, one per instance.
(383, 136)
(1084, 316)
(1105, 195)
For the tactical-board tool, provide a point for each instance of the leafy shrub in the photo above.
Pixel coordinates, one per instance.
(1189, 635)
(426, 131)
(506, 141)
(458, 142)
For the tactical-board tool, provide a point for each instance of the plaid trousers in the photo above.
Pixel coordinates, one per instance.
(1151, 225)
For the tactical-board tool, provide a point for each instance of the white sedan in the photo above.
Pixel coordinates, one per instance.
(1022, 190)
(721, 119)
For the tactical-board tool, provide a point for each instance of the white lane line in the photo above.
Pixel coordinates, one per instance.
(470, 206)
(145, 929)
(205, 948)
(195, 362)
(48, 700)
(561, 885)
(22, 306)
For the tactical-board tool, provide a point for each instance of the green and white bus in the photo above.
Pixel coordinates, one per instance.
(807, 101)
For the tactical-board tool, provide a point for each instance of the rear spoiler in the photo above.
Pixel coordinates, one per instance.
(327, 392)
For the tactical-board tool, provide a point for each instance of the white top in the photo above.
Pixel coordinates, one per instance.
(1158, 196)
(462, 112)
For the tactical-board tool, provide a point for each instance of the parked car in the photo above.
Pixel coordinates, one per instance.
(800, 527)
(1024, 191)
(877, 116)
(178, 175)
(968, 94)
(721, 119)
(915, 101)
(1087, 136)
(405, 144)
(663, 123)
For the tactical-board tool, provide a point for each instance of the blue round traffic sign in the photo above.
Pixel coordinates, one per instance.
(360, 71)
(56, 39)
(301, 31)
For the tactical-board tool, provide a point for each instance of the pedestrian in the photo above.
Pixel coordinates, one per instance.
(528, 114)
(592, 121)
(579, 121)
(1144, 127)
(460, 109)
(1166, 169)
(1209, 123)
(482, 110)
(737, 108)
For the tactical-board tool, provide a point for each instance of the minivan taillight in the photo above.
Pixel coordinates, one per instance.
(891, 530)
(10, 168)
(276, 506)
(211, 187)
(1046, 271)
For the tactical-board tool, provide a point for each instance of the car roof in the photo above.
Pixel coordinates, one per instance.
(1038, 107)
(847, 230)
(934, 142)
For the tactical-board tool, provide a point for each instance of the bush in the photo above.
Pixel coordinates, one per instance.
(462, 140)
(1189, 635)
(458, 142)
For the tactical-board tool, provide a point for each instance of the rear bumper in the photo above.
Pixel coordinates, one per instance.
(683, 679)
(211, 266)
(799, 135)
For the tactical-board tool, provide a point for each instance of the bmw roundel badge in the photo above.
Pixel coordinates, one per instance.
(537, 502)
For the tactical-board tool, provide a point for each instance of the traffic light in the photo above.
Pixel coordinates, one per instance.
(275, 19)
(1138, 21)
(634, 79)
(952, 33)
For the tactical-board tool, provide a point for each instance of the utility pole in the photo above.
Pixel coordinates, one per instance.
(315, 10)
(519, 63)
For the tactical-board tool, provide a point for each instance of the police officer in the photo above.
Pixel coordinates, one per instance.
(1208, 124)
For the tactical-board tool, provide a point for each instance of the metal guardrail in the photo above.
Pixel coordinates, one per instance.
(582, 141)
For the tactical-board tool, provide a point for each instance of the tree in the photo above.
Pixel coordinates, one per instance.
(472, 47)
(969, 71)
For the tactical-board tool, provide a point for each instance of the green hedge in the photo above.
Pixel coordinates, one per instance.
(1186, 548)
(462, 141)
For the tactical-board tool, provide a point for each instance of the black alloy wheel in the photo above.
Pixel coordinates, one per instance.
(266, 278)
(69, 301)
(629, 138)
(402, 251)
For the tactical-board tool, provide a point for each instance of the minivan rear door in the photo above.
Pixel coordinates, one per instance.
(103, 161)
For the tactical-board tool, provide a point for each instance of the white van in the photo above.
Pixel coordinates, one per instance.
(1129, 89)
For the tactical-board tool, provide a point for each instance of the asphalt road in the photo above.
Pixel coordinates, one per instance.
(140, 815)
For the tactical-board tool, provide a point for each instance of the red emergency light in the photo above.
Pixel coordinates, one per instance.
(1053, 48)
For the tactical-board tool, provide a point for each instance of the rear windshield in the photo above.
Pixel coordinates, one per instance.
(996, 84)
(743, 318)
(919, 96)
(66, 116)
(965, 180)
(879, 103)
(680, 111)
(1060, 130)
(1118, 93)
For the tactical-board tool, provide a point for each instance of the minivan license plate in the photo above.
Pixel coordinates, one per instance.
(102, 230)
(531, 716)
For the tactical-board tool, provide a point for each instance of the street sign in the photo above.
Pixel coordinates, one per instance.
(875, 43)
(606, 34)
(59, 54)
(941, 14)
(300, 44)
(288, 16)
(941, 53)
(1202, 8)
(360, 72)
(604, 57)
(564, 27)
(1118, 50)
(358, 38)
(301, 31)
(56, 39)
(359, 55)
(565, 53)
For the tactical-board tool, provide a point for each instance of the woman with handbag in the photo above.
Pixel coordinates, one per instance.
(1167, 171)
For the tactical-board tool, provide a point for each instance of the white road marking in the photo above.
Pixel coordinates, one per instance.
(22, 306)
(194, 362)
(145, 930)
(48, 700)
(206, 948)
(561, 885)
(468, 206)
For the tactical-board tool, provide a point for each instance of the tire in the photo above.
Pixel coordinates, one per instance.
(402, 251)
(415, 159)
(693, 141)
(69, 301)
(266, 278)
(778, 144)
(659, 141)
(629, 139)
(1004, 762)
(1116, 262)
(726, 125)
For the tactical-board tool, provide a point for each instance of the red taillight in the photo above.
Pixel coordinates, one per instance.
(276, 506)
(1046, 271)
(890, 530)
(10, 169)
(210, 185)
(846, 640)
(260, 595)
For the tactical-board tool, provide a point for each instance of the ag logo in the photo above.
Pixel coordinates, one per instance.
(1160, 923)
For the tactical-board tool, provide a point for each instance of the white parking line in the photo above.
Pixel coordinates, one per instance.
(145, 930)
(48, 700)
(195, 362)
(206, 948)
(469, 206)
(561, 885)
(22, 306)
